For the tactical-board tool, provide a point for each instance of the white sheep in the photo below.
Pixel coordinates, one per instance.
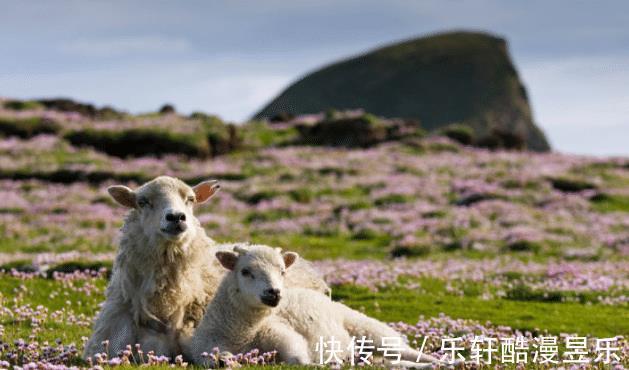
(253, 309)
(164, 273)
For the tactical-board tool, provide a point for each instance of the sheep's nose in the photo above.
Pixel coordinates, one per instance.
(271, 297)
(175, 217)
(272, 292)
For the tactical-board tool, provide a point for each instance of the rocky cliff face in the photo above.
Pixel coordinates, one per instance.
(458, 77)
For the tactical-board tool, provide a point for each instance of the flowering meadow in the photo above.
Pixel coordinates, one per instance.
(437, 238)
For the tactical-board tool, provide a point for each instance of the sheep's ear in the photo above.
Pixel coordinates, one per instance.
(123, 195)
(289, 258)
(206, 190)
(227, 259)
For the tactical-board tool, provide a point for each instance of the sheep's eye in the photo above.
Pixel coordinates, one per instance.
(246, 272)
(283, 272)
(190, 199)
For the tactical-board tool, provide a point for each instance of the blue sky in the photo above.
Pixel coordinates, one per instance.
(230, 57)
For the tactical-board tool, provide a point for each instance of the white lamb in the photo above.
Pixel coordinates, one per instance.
(164, 274)
(253, 309)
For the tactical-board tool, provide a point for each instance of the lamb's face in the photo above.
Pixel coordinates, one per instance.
(165, 205)
(259, 274)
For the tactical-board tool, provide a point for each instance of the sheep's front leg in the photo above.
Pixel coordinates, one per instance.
(291, 347)
(114, 326)
(162, 342)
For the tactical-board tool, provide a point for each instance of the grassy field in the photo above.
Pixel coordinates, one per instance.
(58, 311)
(436, 238)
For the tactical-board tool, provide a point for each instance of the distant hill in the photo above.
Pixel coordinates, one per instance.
(458, 77)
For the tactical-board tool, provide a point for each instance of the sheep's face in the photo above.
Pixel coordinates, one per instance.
(259, 274)
(165, 205)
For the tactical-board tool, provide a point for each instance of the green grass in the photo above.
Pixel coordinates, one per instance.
(54, 296)
(390, 305)
(398, 304)
(316, 247)
(611, 203)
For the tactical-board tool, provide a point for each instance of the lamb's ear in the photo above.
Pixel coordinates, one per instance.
(227, 259)
(206, 190)
(123, 195)
(289, 258)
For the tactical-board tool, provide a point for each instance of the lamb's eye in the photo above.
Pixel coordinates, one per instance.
(143, 202)
(190, 200)
(283, 272)
(246, 272)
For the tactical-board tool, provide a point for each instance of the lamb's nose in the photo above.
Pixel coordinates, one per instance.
(272, 292)
(175, 217)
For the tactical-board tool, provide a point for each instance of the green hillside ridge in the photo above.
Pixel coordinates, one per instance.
(457, 77)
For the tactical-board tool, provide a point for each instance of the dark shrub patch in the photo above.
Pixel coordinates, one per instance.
(167, 109)
(403, 129)
(200, 115)
(489, 142)
(406, 251)
(108, 113)
(257, 197)
(475, 198)
(340, 130)
(11, 210)
(523, 246)
(336, 171)
(68, 105)
(273, 215)
(22, 105)
(600, 197)
(358, 205)
(392, 199)
(21, 266)
(570, 185)
(365, 234)
(463, 134)
(524, 293)
(362, 131)
(88, 110)
(453, 246)
(301, 195)
(27, 127)
(140, 142)
(502, 139)
(72, 266)
(512, 275)
(224, 139)
(67, 176)
(439, 213)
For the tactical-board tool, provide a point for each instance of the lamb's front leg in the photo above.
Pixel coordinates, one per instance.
(291, 347)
